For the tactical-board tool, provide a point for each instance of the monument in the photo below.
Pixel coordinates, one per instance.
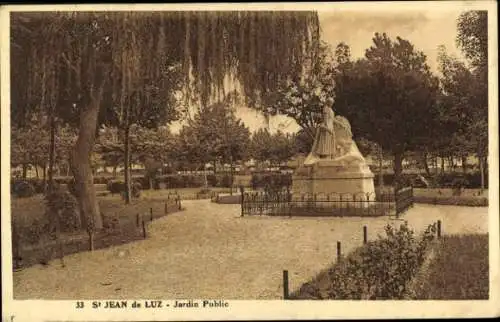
(334, 164)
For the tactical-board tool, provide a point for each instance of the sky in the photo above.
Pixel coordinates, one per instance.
(426, 30)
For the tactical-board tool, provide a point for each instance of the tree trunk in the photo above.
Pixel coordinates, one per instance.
(442, 165)
(68, 168)
(81, 167)
(52, 150)
(380, 168)
(25, 171)
(464, 164)
(426, 165)
(398, 165)
(231, 172)
(481, 168)
(127, 165)
(44, 172)
(215, 166)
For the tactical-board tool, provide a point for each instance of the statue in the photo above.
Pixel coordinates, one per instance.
(334, 142)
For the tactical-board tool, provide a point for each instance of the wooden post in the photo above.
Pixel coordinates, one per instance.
(365, 234)
(339, 251)
(137, 220)
(179, 202)
(151, 213)
(285, 285)
(91, 240)
(144, 229)
(166, 207)
(439, 228)
(242, 192)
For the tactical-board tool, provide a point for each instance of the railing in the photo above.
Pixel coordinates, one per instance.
(285, 203)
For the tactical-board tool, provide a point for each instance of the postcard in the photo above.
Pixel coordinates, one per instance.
(249, 161)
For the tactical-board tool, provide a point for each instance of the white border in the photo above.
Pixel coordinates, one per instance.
(64, 310)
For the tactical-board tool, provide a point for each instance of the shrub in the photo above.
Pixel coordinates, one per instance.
(72, 188)
(380, 269)
(23, 189)
(35, 231)
(62, 210)
(270, 181)
(212, 180)
(453, 201)
(226, 181)
(118, 186)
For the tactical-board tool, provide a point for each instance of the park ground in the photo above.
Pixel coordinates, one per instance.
(209, 251)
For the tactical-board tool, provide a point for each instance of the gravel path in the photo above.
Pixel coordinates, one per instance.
(208, 251)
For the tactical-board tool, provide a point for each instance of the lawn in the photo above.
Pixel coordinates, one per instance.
(468, 197)
(35, 245)
(459, 270)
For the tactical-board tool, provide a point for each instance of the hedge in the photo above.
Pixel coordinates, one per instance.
(446, 180)
(381, 269)
(270, 180)
(193, 181)
(453, 200)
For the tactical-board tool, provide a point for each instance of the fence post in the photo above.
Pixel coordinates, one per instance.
(242, 192)
(91, 240)
(144, 229)
(339, 251)
(439, 228)
(137, 220)
(365, 234)
(396, 202)
(179, 201)
(285, 285)
(166, 207)
(151, 213)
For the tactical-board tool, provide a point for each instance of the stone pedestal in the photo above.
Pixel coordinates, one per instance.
(328, 176)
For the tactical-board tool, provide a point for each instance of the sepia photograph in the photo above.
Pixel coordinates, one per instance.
(187, 162)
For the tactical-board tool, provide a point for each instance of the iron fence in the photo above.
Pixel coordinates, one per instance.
(286, 203)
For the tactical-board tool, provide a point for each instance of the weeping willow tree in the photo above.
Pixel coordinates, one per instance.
(79, 64)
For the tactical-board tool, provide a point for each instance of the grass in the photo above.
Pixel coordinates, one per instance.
(459, 271)
(28, 212)
(468, 197)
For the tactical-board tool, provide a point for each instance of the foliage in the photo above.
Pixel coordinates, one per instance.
(216, 134)
(379, 270)
(270, 181)
(23, 189)
(118, 186)
(304, 98)
(464, 201)
(63, 211)
(29, 145)
(472, 36)
(275, 148)
(389, 96)
(80, 64)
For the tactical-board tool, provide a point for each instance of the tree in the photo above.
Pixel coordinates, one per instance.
(275, 148)
(455, 108)
(303, 98)
(29, 146)
(74, 58)
(472, 38)
(389, 97)
(215, 135)
(260, 146)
